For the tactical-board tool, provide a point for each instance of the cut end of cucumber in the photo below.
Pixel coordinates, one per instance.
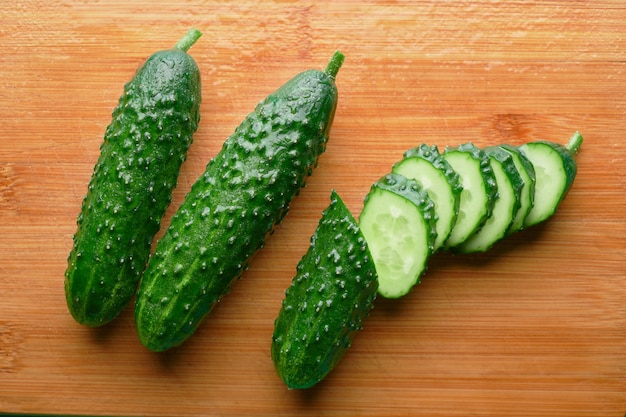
(399, 241)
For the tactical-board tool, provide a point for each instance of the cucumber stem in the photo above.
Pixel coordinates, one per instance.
(188, 40)
(574, 143)
(334, 64)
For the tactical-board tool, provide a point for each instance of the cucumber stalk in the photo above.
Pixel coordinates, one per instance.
(335, 63)
(188, 40)
(574, 143)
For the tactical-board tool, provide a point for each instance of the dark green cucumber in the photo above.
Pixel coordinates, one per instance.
(479, 190)
(399, 222)
(425, 165)
(132, 183)
(509, 184)
(331, 294)
(243, 194)
(555, 170)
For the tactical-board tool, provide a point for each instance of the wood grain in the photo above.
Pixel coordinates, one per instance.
(534, 327)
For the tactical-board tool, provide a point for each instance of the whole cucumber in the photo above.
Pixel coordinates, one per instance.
(243, 194)
(132, 183)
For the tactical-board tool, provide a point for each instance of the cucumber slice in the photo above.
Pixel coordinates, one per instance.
(479, 190)
(434, 174)
(527, 172)
(398, 222)
(507, 204)
(555, 170)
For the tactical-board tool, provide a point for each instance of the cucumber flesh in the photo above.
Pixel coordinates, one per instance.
(505, 208)
(479, 191)
(399, 226)
(527, 173)
(555, 170)
(434, 174)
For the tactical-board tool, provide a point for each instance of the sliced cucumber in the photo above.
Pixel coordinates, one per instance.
(434, 174)
(398, 222)
(479, 190)
(507, 204)
(555, 170)
(527, 172)
(486, 194)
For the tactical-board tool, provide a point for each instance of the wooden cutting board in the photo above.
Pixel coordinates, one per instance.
(534, 327)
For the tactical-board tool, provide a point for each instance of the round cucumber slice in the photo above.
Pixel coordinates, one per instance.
(434, 174)
(398, 222)
(527, 173)
(479, 190)
(505, 208)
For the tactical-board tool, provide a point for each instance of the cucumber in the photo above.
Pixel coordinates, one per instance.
(432, 172)
(132, 182)
(509, 184)
(331, 294)
(527, 195)
(479, 192)
(399, 223)
(555, 170)
(243, 194)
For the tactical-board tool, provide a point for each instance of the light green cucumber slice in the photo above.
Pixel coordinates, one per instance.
(398, 222)
(505, 208)
(434, 174)
(555, 170)
(527, 173)
(479, 190)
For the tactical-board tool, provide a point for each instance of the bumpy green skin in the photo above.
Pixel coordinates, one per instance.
(332, 293)
(131, 186)
(244, 192)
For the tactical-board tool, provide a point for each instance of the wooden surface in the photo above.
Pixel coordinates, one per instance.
(534, 327)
